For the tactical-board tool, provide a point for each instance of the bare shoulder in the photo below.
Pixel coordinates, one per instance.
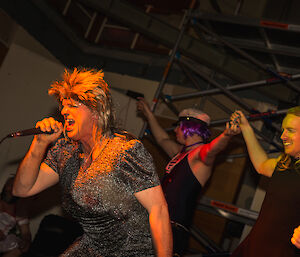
(268, 167)
(194, 155)
(197, 161)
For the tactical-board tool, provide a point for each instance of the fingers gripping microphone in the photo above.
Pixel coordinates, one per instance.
(26, 132)
(29, 132)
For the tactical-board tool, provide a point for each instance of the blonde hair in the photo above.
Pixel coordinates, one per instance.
(88, 87)
(295, 111)
(285, 161)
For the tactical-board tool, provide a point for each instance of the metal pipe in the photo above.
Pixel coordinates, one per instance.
(66, 8)
(203, 239)
(101, 30)
(241, 155)
(256, 131)
(253, 117)
(168, 66)
(91, 23)
(136, 36)
(228, 93)
(250, 58)
(269, 81)
(238, 7)
(196, 84)
(171, 106)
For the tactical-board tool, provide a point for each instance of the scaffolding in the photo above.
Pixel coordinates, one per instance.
(183, 48)
(190, 68)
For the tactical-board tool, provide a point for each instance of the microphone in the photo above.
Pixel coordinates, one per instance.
(29, 132)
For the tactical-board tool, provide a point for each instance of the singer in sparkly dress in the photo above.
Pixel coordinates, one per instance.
(107, 177)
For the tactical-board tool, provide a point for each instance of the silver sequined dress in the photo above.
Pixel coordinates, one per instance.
(102, 197)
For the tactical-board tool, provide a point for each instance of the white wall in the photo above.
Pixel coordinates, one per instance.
(24, 78)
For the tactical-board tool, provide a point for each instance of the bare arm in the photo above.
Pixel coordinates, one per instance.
(153, 200)
(160, 135)
(209, 151)
(33, 176)
(258, 156)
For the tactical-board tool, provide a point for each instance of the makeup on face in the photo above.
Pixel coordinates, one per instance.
(78, 119)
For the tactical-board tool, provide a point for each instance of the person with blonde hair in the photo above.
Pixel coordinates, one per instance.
(108, 180)
(272, 234)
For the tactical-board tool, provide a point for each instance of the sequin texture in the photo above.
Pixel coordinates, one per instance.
(102, 197)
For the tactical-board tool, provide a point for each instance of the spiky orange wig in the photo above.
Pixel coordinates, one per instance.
(88, 87)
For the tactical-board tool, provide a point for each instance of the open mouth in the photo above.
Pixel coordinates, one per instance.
(69, 123)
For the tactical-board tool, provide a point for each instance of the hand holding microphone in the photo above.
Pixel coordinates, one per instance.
(29, 132)
(50, 129)
(48, 126)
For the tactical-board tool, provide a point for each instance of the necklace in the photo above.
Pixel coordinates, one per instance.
(85, 165)
(179, 157)
(86, 159)
(187, 146)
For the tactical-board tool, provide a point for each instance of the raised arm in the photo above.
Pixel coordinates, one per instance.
(33, 176)
(209, 151)
(258, 156)
(160, 135)
(153, 200)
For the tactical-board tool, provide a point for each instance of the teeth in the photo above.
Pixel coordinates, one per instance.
(70, 121)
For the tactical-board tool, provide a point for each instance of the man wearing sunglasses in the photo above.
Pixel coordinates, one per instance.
(190, 167)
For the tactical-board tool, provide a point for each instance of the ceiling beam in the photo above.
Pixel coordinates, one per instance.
(166, 34)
